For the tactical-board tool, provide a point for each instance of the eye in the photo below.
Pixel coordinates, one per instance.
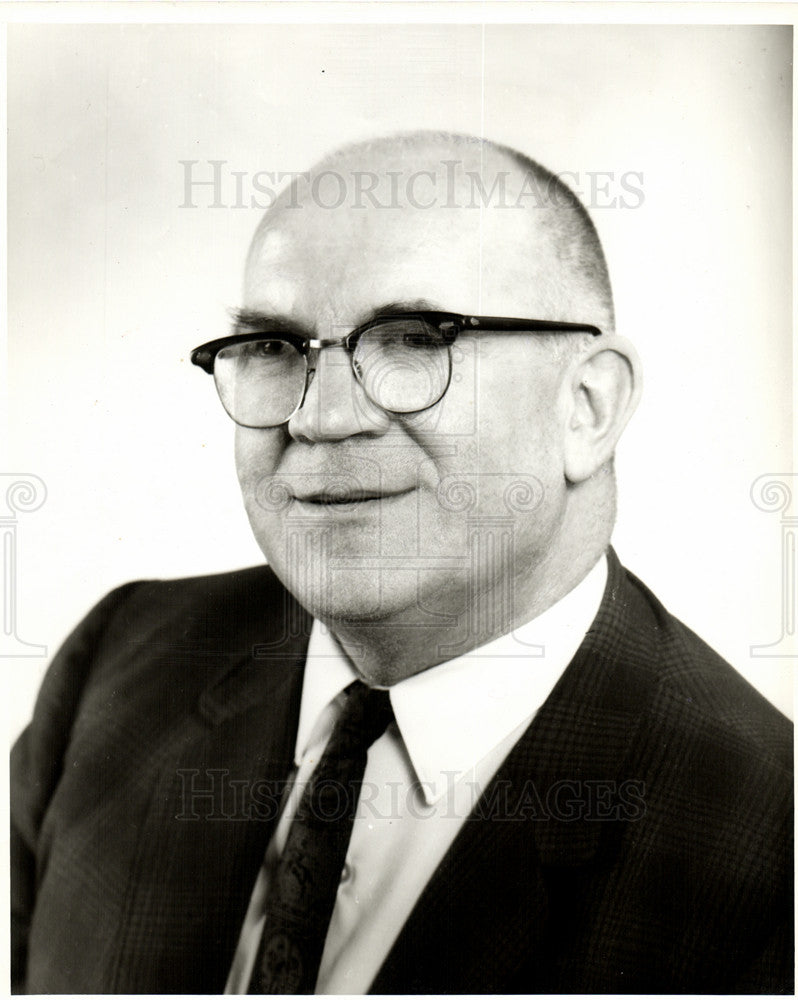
(408, 333)
(256, 349)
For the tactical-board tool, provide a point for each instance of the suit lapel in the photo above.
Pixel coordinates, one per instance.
(488, 915)
(213, 811)
(267, 647)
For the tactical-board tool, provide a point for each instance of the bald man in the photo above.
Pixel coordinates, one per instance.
(443, 742)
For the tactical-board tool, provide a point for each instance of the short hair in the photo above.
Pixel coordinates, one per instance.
(586, 295)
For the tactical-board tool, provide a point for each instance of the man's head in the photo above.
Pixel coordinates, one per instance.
(502, 491)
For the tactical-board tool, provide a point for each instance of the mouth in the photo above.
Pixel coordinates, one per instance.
(341, 497)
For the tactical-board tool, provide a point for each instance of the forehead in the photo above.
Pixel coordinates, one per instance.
(319, 264)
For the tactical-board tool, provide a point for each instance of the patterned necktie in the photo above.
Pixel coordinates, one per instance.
(302, 894)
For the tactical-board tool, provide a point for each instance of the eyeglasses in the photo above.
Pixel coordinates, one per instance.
(403, 361)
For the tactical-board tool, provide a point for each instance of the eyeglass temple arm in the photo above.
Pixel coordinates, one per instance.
(500, 323)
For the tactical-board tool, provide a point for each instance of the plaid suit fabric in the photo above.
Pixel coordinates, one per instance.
(687, 891)
(636, 839)
(147, 786)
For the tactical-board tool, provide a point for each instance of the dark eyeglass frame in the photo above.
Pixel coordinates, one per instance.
(448, 324)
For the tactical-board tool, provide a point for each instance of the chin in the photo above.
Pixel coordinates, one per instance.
(345, 595)
(342, 570)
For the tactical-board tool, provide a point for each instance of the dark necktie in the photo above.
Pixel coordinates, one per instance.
(302, 894)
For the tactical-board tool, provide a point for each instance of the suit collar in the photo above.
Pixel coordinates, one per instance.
(454, 715)
(583, 733)
(555, 786)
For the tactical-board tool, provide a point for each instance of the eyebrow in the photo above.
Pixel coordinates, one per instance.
(256, 320)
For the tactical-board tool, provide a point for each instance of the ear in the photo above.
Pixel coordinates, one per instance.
(602, 393)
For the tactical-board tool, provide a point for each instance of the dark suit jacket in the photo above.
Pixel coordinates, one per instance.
(637, 839)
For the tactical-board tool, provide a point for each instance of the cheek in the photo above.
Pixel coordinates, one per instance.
(500, 415)
(257, 455)
(503, 390)
(495, 455)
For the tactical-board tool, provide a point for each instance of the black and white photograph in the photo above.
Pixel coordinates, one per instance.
(398, 502)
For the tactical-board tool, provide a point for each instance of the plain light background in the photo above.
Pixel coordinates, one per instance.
(111, 281)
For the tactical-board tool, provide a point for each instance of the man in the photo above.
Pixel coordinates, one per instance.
(562, 789)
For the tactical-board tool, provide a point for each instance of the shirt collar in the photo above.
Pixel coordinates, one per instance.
(327, 673)
(452, 715)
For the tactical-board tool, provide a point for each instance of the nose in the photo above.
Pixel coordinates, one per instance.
(335, 406)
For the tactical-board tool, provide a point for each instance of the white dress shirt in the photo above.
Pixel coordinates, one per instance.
(455, 725)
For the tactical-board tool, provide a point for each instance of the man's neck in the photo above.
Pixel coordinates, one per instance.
(388, 651)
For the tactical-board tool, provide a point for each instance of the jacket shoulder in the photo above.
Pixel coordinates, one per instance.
(696, 682)
(236, 587)
(163, 635)
(201, 613)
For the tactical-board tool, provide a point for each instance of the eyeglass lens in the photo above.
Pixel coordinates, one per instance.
(403, 365)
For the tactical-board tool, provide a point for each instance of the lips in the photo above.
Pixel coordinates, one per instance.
(341, 496)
